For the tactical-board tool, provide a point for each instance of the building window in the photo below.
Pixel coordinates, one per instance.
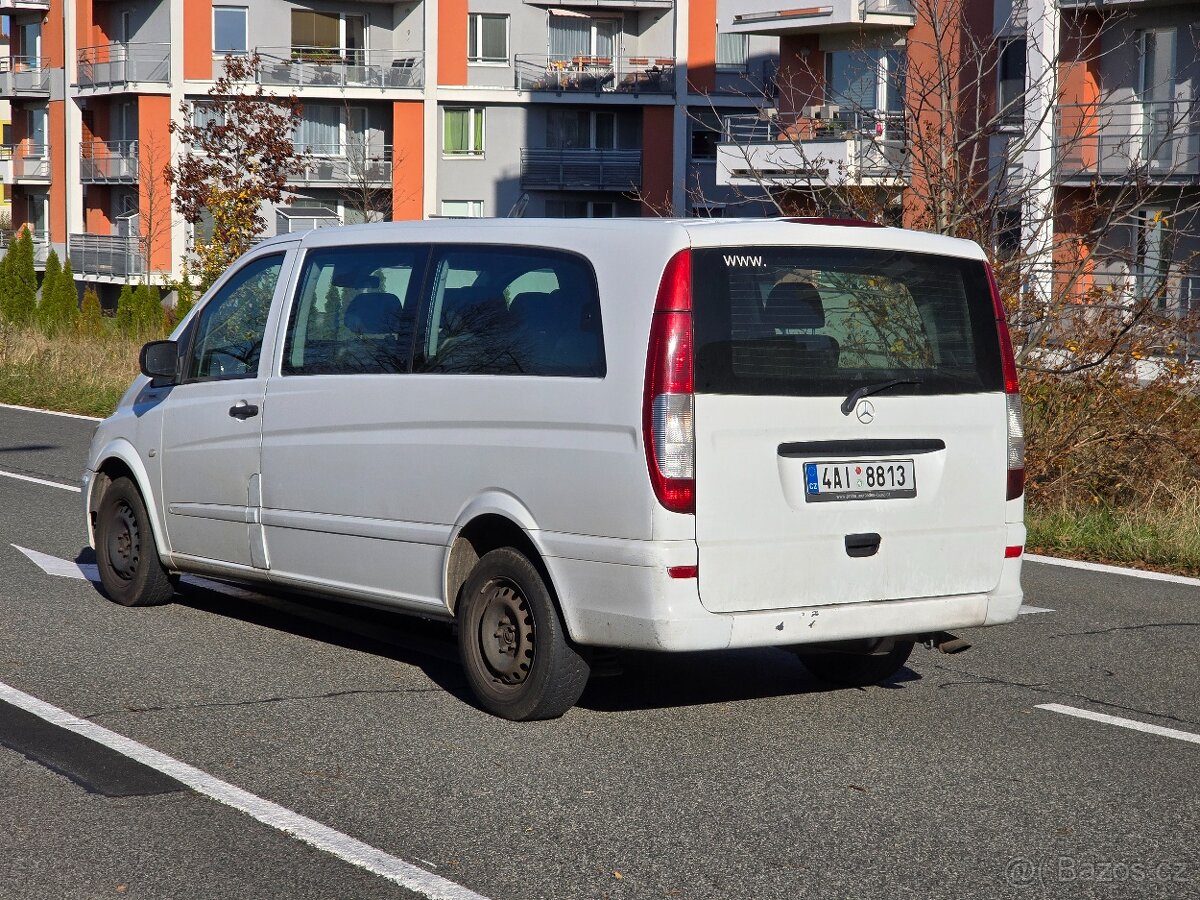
(487, 38)
(1008, 232)
(580, 129)
(706, 134)
(316, 30)
(463, 209)
(575, 35)
(320, 130)
(864, 81)
(1011, 93)
(732, 52)
(462, 132)
(229, 30)
(581, 209)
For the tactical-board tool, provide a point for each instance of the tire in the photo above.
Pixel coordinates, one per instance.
(126, 555)
(856, 669)
(514, 648)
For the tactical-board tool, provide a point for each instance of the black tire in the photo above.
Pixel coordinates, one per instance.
(856, 669)
(514, 648)
(126, 555)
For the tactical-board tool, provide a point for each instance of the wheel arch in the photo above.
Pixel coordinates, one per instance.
(495, 520)
(119, 459)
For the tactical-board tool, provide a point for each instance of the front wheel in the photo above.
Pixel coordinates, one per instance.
(857, 669)
(126, 555)
(514, 648)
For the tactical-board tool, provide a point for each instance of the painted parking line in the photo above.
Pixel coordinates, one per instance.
(49, 412)
(42, 481)
(344, 847)
(1025, 610)
(1120, 722)
(1112, 570)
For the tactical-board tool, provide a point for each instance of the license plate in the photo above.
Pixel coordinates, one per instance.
(874, 479)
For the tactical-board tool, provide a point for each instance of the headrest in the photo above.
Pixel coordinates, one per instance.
(794, 304)
(374, 312)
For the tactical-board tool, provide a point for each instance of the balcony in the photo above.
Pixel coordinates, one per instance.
(41, 246)
(599, 75)
(346, 166)
(594, 170)
(1118, 141)
(858, 149)
(19, 6)
(766, 17)
(313, 67)
(23, 76)
(26, 162)
(121, 65)
(108, 162)
(107, 254)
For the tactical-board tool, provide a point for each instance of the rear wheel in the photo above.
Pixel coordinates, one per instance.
(857, 669)
(512, 642)
(126, 555)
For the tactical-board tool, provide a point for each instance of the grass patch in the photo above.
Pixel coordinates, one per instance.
(70, 373)
(1161, 535)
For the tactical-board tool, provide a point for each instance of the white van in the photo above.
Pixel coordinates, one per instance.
(566, 435)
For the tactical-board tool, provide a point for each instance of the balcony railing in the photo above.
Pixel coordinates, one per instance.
(598, 170)
(41, 245)
(107, 254)
(314, 67)
(7, 6)
(108, 162)
(1119, 140)
(23, 76)
(596, 74)
(112, 65)
(888, 7)
(29, 161)
(346, 164)
(851, 148)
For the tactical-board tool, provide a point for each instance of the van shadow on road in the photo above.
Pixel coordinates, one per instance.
(622, 681)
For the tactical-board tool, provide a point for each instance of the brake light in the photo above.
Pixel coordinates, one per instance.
(1012, 390)
(668, 430)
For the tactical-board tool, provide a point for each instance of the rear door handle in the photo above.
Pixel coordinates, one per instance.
(243, 410)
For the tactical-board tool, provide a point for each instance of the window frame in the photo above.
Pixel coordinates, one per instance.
(1011, 113)
(435, 261)
(475, 22)
(442, 207)
(245, 11)
(185, 355)
(470, 132)
(739, 68)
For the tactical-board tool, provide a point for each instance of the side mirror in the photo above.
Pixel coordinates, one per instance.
(159, 361)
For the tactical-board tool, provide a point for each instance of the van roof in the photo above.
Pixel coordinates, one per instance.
(568, 233)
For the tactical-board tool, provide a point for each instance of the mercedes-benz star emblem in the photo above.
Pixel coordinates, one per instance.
(865, 411)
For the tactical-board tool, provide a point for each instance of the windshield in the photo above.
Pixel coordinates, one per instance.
(816, 321)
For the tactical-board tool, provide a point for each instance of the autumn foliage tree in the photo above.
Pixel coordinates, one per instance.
(237, 155)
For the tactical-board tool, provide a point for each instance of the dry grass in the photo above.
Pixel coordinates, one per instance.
(71, 373)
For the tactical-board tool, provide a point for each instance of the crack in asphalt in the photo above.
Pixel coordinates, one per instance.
(1129, 628)
(259, 701)
(1043, 687)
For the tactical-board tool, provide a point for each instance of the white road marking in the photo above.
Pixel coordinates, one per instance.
(1031, 610)
(49, 412)
(63, 568)
(308, 830)
(1123, 723)
(1112, 570)
(55, 484)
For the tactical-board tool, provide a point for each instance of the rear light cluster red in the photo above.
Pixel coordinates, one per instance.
(667, 402)
(1012, 390)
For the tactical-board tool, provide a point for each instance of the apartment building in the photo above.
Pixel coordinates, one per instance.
(429, 108)
(1071, 108)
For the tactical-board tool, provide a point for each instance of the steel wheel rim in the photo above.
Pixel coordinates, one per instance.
(505, 633)
(124, 542)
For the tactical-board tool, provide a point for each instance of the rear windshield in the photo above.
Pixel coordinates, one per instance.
(816, 321)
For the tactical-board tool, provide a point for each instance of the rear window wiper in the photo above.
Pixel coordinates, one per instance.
(868, 389)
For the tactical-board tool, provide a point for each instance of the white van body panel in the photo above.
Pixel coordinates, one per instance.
(364, 481)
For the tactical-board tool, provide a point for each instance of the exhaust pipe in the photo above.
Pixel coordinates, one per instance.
(945, 642)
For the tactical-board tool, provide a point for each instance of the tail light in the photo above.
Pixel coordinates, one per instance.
(668, 429)
(1012, 391)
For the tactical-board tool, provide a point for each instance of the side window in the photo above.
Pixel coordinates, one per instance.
(229, 331)
(511, 311)
(354, 310)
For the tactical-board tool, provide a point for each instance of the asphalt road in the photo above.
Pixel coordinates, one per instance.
(713, 775)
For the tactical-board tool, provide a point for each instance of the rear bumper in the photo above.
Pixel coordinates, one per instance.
(639, 607)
